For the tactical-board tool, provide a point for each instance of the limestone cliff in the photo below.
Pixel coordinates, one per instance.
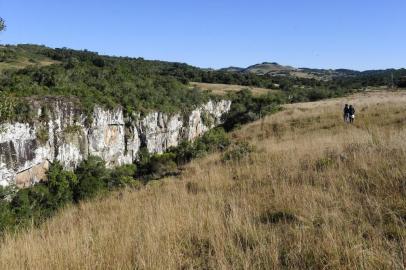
(60, 131)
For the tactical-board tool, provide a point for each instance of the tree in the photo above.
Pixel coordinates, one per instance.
(402, 82)
(2, 24)
(61, 184)
(92, 176)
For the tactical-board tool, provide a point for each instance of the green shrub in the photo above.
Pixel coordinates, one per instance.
(184, 152)
(246, 108)
(92, 178)
(21, 207)
(162, 165)
(61, 184)
(212, 140)
(207, 119)
(317, 94)
(42, 135)
(238, 152)
(7, 107)
(123, 176)
(6, 216)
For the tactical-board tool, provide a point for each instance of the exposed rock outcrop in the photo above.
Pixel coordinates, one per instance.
(62, 132)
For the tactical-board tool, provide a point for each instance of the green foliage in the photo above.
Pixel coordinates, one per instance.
(135, 84)
(61, 184)
(207, 119)
(7, 107)
(123, 176)
(93, 177)
(21, 207)
(212, 140)
(42, 135)
(238, 151)
(2, 24)
(247, 108)
(401, 82)
(6, 216)
(158, 166)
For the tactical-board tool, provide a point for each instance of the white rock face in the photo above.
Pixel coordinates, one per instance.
(27, 149)
(206, 117)
(106, 136)
(161, 131)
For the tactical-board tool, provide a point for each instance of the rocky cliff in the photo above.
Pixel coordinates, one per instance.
(60, 131)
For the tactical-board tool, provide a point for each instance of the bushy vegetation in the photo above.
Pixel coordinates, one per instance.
(135, 84)
(238, 152)
(247, 108)
(19, 208)
(159, 165)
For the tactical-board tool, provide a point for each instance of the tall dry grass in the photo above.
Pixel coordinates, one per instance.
(315, 194)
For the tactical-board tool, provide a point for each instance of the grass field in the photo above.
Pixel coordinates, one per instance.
(313, 193)
(23, 63)
(223, 89)
(22, 59)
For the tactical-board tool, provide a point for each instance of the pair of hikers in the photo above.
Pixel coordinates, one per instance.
(349, 113)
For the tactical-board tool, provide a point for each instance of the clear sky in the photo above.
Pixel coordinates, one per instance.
(357, 34)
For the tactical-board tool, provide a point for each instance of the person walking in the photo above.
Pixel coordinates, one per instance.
(351, 110)
(346, 113)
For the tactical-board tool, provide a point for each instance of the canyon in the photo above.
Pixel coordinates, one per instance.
(60, 131)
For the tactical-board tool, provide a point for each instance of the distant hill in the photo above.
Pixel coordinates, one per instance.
(266, 68)
(232, 69)
(273, 69)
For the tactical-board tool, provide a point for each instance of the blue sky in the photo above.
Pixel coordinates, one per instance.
(357, 34)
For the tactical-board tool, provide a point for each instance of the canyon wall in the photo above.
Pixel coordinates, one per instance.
(60, 131)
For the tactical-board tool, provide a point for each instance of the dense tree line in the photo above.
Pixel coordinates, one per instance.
(135, 84)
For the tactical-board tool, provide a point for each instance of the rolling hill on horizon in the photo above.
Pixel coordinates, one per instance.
(276, 69)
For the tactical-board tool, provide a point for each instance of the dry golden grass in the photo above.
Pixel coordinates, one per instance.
(24, 63)
(315, 194)
(223, 89)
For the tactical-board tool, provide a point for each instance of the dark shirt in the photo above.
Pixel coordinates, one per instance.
(351, 111)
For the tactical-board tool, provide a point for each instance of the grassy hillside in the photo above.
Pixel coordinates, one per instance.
(13, 57)
(223, 89)
(297, 190)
